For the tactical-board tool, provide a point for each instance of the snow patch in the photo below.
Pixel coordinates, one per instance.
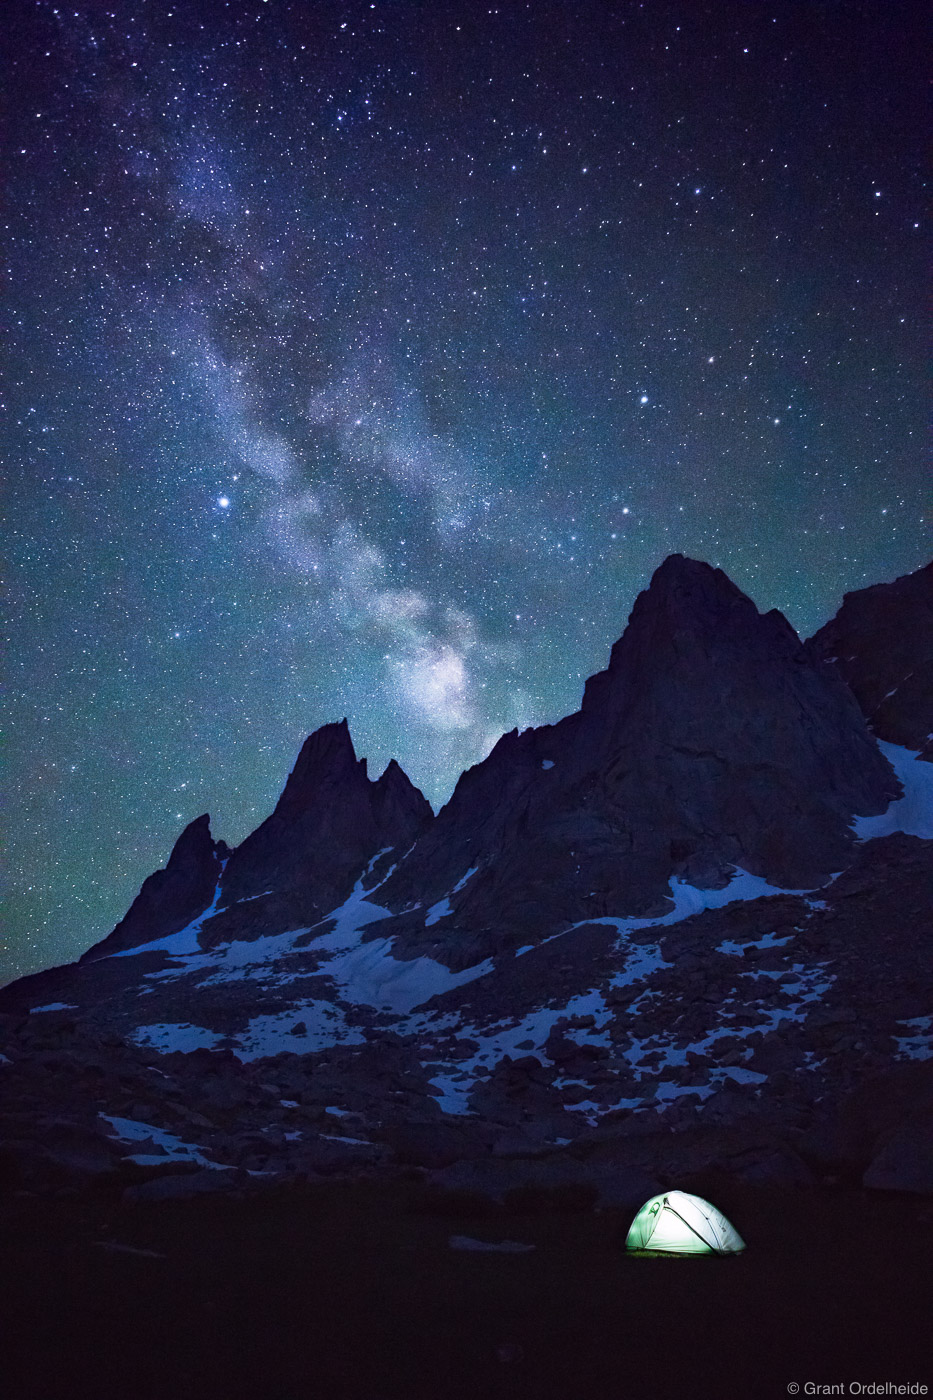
(919, 1045)
(660, 1054)
(53, 1006)
(770, 940)
(689, 900)
(668, 1089)
(599, 1110)
(438, 911)
(442, 908)
(273, 1033)
(452, 1092)
(912, 813)
(363, 974)
(377, 857)
(366, 974)
(179, 944)
(457, 1081)
(370, 976)
(130, 1130)
(166, 1037)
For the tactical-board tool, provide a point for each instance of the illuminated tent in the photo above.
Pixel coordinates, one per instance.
(678, 1223)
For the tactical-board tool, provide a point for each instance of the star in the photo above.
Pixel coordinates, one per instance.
(418, 374)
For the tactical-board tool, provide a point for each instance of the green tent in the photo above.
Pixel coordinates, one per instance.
(678, 1223)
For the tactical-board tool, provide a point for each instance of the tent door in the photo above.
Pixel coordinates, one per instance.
(715, 1247)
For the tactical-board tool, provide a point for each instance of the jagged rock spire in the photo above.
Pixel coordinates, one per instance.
(170, 898)
(329, 822)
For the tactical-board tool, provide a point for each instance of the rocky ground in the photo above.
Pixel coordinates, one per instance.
(785, 1039)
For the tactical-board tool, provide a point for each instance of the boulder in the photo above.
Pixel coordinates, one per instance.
(435, 1144)
(185, 1187)
(334, 1156)
(57, 1152)
(776, 1165)
(494, 1178)
(851, 1135)
(904, 1162)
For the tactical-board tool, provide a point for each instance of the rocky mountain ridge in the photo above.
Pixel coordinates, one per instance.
(688, 923)
(881, 643)
(712, 741)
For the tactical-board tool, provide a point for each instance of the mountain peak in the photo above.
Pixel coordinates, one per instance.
(196, 834)
(689, 592)
(330, 820)
(400, 806)
(688, 606)
(170, 898)
(714, 737)
(394, 780)
(393, 774)
(681, 568)
(327, 756)
(711, 740)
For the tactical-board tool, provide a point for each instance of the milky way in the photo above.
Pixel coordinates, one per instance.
(367, 359)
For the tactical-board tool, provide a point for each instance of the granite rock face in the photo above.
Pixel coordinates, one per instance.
(170, 898)
(713, 739)
(881, 643)
(329, 823)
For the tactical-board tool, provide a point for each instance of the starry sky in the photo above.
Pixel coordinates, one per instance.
(366, 359)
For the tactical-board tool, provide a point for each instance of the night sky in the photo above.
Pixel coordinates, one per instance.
(366, 359)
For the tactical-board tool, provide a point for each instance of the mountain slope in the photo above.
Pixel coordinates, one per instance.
(170, 898)
(698, 906)
(881, 643)
(712, 740)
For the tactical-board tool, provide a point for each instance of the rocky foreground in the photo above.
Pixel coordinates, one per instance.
(368, 1292)
(686, 929)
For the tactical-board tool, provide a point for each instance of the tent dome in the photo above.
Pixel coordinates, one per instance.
(677, 1223)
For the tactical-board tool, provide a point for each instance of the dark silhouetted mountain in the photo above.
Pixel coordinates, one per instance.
(170, 898)
(329, 823)
(712, 740)
(881, 643)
